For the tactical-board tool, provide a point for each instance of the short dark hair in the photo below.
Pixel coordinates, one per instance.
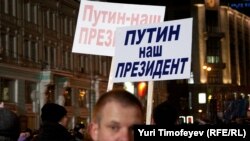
(165, 114)
(121, 96)
(52, 112)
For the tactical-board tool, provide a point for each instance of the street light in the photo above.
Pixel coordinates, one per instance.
(207, 68)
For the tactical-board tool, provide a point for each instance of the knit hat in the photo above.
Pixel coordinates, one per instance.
(9, 123)
(52, 112)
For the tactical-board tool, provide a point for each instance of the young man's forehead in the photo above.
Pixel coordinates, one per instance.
(116, 112)
(120, 104)
(116, 101)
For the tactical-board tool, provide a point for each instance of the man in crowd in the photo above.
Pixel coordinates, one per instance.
(114, 115)
(9, 124)
(165, 114)
(54, 124)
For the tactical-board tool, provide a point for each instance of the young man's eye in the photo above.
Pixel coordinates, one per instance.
(114, 128)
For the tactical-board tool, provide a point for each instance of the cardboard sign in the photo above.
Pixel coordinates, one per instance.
(97, 22)
(151, 52)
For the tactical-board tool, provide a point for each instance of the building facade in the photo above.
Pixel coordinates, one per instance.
(221, 42)
(36, 63)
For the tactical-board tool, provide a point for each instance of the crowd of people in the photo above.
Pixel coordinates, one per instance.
(235, 108)
(53, 127)
(115, 113)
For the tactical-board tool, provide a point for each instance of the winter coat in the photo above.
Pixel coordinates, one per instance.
(53, 132)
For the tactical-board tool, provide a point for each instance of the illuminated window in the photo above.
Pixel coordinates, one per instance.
(50, 93)
(5, 86)
(81, 98)
(6, 93)
(202, 98)
(68, 96)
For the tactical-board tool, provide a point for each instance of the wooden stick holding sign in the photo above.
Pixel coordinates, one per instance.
(111, 82)
(149, 102)
(149, 95)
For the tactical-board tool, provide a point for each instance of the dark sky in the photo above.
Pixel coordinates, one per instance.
(242, 6)
(239, 5)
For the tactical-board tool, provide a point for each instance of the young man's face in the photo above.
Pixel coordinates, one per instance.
(116, 123)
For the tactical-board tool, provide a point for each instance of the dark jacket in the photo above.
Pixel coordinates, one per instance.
(78, 136)
(53, 132)
(9, 125)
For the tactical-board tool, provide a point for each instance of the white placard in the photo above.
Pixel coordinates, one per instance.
(152, 52)
(97, 22)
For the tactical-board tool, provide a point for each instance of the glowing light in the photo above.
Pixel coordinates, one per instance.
(202, 98)
(142, 89)
(209, 97)
(207, 68)
(82, 93)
